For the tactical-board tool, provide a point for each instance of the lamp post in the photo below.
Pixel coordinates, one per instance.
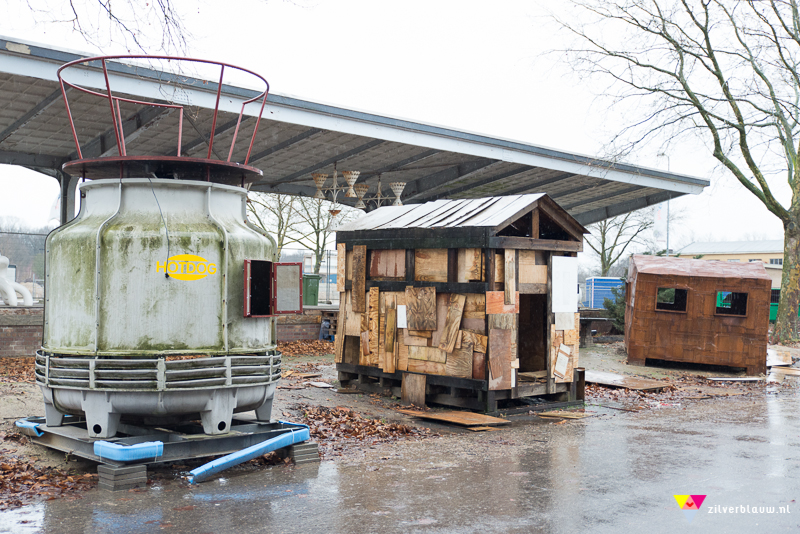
(663, 155)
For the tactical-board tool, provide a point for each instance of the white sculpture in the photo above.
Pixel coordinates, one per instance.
(9, 289)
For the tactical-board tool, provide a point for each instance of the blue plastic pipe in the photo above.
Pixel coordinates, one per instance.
(128, 453)
(30, 426)
(299, 435)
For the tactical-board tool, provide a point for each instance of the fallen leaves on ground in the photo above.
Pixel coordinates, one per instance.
(305, 348)
(17, 370)
(22, 482)
(337, 429)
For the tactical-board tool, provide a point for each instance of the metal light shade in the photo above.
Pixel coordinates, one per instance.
(319, 195)
(350, 177)
(397, 189)
(319, 179)
(334, 213)
(361, 190)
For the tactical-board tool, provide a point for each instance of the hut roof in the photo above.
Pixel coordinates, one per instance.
(697, 268)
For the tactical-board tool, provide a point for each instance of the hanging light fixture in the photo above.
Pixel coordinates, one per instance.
(319, 180)
(361, 190)
(350, 177)
(397, 189)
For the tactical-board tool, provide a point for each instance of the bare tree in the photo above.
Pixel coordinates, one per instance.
(612, 237)
(316, 225)
(725, 71)
(273, 213)
(140, 27)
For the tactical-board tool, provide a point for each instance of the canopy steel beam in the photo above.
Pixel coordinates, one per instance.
(203, 140)
(339, 157)
(284, 144)
(31, 160)
(34, 112)
(603, 197)
(607, 212)
(420, 189)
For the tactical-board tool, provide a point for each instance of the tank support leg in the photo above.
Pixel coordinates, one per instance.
(52, 416)
(101, 421)
(264, 413)
(216, 418)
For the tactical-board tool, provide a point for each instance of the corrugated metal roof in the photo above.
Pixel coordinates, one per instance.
(491, 211)
(698, 268)
(733, 247)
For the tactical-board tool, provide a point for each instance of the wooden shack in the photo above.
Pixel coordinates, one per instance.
(460, 302)
(697, 311)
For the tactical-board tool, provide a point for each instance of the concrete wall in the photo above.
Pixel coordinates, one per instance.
(743, 257)
(20, 331)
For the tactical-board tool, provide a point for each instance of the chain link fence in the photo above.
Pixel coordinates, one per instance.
(25, 253)
(327, 270)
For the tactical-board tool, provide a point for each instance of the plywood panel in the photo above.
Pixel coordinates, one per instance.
(420, 333)
(479, 342)
(387, 264)
(495, 303)
(388, 356)
(476, 325)
(470, 265)
(421, 308)
(499, 268)
(452, 322)
(502, 350)
(430, 354)
(510, 295)
(374, 321)
(414, 340)
(340, 329)
(442, 304)
(459, 362)
(530, 272)
(503, 321)
(359, 278)
(402, 351)
(381, 328)
(352, 325)
(413, 389)
(362, 360)
(475, 306)
(422, 366)
(341, 267)
(430, 265)
(479, 366)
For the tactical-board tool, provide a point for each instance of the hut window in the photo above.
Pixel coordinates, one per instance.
(775, 296)
(730, 303)
(671, 299)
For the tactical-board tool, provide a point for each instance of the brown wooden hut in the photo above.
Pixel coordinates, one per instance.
(460, 302)
(697, 311)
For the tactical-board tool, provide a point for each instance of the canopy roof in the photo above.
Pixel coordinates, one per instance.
(297, 138)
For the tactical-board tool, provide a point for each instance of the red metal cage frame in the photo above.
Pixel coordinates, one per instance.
(114, 101)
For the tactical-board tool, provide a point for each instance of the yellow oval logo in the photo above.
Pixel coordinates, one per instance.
(186, 267)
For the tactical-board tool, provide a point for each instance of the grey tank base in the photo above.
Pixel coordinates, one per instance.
(104, 409)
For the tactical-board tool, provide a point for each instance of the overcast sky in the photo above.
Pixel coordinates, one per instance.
(485, 67)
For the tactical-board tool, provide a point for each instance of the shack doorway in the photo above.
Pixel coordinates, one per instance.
(532, 342)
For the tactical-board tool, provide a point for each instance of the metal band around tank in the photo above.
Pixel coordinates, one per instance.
(97, 270)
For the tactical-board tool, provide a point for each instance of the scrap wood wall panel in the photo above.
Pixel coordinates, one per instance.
(698, 334)
(455, 311)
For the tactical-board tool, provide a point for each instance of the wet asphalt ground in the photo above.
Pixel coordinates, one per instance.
(614, 472)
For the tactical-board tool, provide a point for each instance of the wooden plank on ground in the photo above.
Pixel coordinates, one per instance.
(459, 362)
(495, 303)
(374, 322)
(341, 264)
(421, 308)
(452, 322)
(602, 378)
(430, 354)
(475, 306)
(340, 329)
(459, 418)
(565, 414)
(510, 297)
(470, 265)
(359, 278)
(422, 366)
(478, 341)
(430, 265)
(413, 389)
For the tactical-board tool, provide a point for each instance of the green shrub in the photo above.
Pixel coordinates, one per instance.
(616, 308)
